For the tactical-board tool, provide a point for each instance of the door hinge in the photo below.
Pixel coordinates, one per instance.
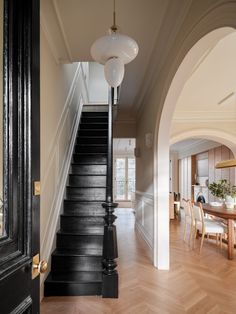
(37, 188)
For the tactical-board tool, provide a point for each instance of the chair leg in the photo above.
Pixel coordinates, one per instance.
(185, 230)
(221, 241)
(202, 239)
(195, 236)
(191, 234)
(217, 239)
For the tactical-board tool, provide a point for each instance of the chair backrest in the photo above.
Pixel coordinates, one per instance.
(198, 213)
(187, 208)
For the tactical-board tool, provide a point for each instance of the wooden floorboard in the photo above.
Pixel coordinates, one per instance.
(194, 284)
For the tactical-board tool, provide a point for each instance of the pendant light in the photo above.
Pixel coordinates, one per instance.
(114, 51)
(226, 164)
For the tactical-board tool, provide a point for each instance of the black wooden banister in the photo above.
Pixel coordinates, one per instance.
(110, 251)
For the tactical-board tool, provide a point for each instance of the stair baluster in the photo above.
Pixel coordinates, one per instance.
(110, 251)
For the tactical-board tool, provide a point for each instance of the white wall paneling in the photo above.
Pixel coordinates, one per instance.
(144, 210)
(56, 167)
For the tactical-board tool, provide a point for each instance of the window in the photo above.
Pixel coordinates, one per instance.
(124, 178)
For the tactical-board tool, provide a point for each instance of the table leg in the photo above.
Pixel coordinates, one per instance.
(230, 238)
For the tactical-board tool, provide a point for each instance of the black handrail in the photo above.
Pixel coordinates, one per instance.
(110, 251)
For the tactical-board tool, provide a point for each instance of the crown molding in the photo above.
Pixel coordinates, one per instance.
(48, 37)
(51, 23)
(155, 64)
(203, 116)
(62, 30)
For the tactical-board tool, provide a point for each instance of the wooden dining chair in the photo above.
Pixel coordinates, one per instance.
(205, 226)
(188, 219)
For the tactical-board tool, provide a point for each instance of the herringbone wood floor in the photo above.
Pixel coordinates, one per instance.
(194, 284)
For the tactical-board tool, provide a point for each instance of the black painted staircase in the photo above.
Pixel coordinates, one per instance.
(76, 267)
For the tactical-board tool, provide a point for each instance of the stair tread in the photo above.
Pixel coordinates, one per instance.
(89, 153)
(77, 259)
(84, 216)
(78, 252)
(67, 277)
(87, 175)
(94, 122)
(91, 136)
(84, 202)
(91, 144)
(86, 164)
(92, 129)
(78, 233)
(86, 187)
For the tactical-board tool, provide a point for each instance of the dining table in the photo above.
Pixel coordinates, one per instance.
(230, 216)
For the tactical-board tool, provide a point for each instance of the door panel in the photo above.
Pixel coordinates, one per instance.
(120, 179)
(20, 239)
(124, 178)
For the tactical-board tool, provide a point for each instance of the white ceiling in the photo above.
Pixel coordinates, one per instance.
(189, 144)
(192, 146)
(210, 91)
(73, 25)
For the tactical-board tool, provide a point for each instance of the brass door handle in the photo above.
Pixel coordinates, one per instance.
(38, 267)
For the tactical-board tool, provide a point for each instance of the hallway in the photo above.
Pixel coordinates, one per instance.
(195, 284)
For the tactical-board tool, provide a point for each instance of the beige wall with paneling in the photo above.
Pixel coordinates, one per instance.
(63, 91)
(213, 155)
(216, 155)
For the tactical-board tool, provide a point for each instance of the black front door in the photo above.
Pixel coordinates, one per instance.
(20, 148)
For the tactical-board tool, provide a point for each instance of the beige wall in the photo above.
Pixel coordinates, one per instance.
(151, 109)
(63, 91)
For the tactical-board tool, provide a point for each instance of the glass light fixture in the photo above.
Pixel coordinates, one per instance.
(114, 51)
(114, 71)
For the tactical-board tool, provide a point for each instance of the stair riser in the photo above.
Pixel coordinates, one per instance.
(78, 276)
(90, 149)
(86, 194)
(94, 114)
(88, 181)
(72, 289)
(94, 120)
(73, 224)
(88, 159)
(87, 209)
(76, 263)
(92, 140)
(84, 132)
(71, 242)
(92, 169)
(93, 126)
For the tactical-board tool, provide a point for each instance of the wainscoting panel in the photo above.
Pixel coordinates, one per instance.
(144, 219)
(54, 177)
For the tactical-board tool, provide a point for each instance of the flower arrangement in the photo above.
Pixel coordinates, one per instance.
(222, 188)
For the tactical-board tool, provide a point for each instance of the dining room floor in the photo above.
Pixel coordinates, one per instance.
(195, 283)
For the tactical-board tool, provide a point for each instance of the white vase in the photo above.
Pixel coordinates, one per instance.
(229, 202)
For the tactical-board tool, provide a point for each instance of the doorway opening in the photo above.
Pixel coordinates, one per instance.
(124, 171)
(211, 121)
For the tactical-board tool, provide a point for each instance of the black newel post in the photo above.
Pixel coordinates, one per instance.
(110, 252)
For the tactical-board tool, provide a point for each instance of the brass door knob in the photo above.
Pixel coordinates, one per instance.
(42, 266)
(38, 267)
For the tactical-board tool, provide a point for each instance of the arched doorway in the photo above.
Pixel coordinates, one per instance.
(162, 140)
